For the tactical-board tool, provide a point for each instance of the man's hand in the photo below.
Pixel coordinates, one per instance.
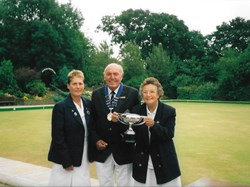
(70, 168)
(115, 117)
(101, 145)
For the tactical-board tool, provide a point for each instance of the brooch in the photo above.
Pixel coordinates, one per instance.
(74, 112)
(88, 112)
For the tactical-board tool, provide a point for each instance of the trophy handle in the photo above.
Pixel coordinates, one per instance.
(130, 124)
(137, 124)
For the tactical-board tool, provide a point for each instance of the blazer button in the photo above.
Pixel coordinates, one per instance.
(159, 165)
(142, 153)
(110, 129)
(158, 155)
(140, 165)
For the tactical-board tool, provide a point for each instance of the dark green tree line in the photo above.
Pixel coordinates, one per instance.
(35, 34)
(39, 34)
(147, 29)
(189, 65)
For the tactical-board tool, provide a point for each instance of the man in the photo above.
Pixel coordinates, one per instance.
(112, 155)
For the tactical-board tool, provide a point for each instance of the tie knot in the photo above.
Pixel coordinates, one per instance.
(112, 94)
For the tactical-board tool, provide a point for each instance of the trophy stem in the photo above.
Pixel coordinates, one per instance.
(130, 126)
(130, 134)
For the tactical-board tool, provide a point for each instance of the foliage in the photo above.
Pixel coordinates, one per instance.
(206, 91)
(189, 72)
(234, 75)
(39, 34)
(133, 65)
(24, 75)
(36, 88)
(147, 29)
(100, 58)
(60, 80)
(159, 65)
(1, 93)
(7, 78)
(57, 98)
(233, 35)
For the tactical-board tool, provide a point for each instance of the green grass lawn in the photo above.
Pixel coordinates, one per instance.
(212, 140)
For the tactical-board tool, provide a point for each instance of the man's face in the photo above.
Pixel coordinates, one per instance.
(113, 76)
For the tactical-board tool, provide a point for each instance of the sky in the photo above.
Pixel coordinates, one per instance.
(199, 15)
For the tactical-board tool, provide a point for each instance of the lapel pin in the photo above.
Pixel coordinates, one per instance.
(88, 112)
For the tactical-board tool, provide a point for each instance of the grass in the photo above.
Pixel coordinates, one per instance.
(212, 140)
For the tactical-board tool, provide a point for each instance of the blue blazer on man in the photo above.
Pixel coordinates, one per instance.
(112, 132)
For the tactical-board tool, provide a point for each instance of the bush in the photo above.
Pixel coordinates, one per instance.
(57, 98)
(207, 91)
(60, 80)
(7, 79)
(36, 88)
(24, 75)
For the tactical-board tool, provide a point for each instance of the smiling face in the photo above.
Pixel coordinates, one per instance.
(150, 94)
(113, 75)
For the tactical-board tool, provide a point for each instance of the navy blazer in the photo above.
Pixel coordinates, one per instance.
(68, 132)
(112, 132)
(160, 147)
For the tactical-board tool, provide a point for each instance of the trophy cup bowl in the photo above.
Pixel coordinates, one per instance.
(130, 119)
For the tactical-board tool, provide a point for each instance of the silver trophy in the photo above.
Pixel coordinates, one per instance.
(130, 119)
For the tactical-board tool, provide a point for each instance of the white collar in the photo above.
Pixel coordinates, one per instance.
(116, 90)
(152, 113)
(77, 106)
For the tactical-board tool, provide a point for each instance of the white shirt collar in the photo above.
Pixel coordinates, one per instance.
(116, 90)
(152, 114)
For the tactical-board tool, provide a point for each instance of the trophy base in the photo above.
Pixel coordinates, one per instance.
(129, 138)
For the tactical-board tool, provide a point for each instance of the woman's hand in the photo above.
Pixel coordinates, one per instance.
(149, 121)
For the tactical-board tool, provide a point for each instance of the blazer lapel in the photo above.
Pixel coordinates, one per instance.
(157, 116)
(102, 101)
(86, 111)
(143, 112)
(73, 109)
(122, 100)
(158, 111)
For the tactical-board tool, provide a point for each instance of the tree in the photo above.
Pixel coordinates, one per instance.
(39, 34)
(147, 29)
(189, 73)
(100, 58)
(159, 65)
(134, 66)
(234, 75)
(235, 35)
(7, 79)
